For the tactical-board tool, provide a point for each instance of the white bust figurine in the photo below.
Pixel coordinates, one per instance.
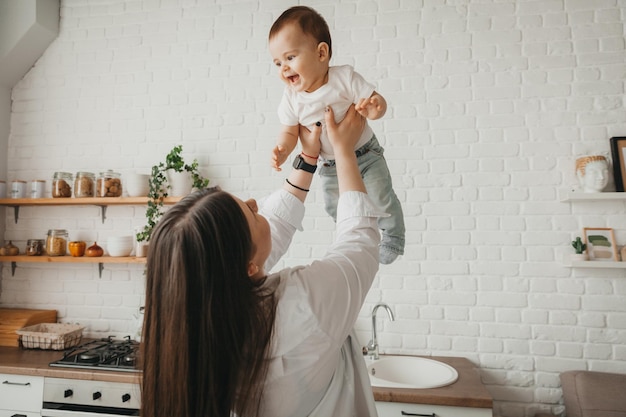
(593, 173)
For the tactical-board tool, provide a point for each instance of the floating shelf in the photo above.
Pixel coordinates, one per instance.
(82, 201)
(102, 202)
(596, 264)
(582, 196)
(573, 196)
(100, 260)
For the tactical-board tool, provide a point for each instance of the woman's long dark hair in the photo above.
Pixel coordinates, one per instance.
(207, 325)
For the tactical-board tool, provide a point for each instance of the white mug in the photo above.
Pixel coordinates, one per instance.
(18, 189)
(37, 188)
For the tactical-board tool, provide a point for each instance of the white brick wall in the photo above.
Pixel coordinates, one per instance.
(490, 102)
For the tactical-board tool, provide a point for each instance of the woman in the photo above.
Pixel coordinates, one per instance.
(222, 337)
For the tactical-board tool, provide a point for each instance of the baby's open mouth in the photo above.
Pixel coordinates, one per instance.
(293, 78)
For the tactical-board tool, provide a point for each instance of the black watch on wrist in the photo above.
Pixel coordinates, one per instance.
(300, 163)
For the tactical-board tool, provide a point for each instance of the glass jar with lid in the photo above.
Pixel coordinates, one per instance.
(34, 247)
(109, 184)
(56, 243)
(85, 184)
(62, 185)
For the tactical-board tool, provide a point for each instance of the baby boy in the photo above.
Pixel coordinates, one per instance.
(301, 48)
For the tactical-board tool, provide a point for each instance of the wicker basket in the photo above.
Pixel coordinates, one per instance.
(50, 336)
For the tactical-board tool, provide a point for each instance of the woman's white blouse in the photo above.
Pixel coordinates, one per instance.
(317, 368)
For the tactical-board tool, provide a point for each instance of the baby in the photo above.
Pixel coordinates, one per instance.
(301, 48)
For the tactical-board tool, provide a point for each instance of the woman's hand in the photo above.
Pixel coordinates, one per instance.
(310, 140)
(344, 135)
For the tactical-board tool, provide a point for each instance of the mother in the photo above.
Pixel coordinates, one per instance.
(222, 337)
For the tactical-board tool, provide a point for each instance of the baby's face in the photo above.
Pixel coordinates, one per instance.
(302, 62)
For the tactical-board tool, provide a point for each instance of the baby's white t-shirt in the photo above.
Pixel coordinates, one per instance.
(344, 87)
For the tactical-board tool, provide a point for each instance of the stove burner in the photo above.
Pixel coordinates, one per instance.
(88, 357)
(110, 354)
(130, 359)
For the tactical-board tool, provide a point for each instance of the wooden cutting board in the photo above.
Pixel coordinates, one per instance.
(12, 319)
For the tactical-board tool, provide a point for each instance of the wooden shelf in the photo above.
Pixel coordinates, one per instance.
(76, 260)
(83, 201)
(582, 196)
(102, 202)
(596, 264)
(100, 260)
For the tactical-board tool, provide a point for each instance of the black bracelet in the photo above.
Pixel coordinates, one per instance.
(295, 186)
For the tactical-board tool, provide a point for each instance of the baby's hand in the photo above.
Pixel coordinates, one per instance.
(371, 108)
(279, 156)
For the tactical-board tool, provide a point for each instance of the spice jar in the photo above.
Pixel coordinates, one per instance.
(62, 185)
(56, 243)
(34, 247)
(109, 184)
(84, 184)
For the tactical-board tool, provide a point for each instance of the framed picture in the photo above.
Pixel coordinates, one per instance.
(618, 154)
(600, 243)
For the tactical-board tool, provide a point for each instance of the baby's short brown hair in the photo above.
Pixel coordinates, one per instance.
(311, 22)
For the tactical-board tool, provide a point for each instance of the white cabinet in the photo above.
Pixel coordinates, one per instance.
(388, 409)
(20, 395)
(16, 413)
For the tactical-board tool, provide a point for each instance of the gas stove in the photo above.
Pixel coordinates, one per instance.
(102, 354)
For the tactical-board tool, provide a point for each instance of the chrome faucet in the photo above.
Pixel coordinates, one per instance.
(372, 346)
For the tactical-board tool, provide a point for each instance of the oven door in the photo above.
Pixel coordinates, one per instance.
(89, 398)
(67, 410)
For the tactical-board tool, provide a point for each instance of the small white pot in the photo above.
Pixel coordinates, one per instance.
(180, 183)
(137, 185)
(579, 257)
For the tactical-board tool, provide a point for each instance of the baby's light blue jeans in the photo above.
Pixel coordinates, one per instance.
(377, 179)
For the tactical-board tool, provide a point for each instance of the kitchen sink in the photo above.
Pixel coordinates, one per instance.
(410, 372)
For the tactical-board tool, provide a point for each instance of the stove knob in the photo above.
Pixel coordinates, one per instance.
(68, 393)
(125, 398)
(96, 395)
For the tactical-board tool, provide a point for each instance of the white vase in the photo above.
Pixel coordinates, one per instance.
(180, 183)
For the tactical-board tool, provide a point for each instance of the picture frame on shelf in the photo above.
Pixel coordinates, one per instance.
(618, 155)
(600, 243)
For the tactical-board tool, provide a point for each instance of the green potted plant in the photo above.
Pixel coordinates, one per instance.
(580, 247)
(160, 186)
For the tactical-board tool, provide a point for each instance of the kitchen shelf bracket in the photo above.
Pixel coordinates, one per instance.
(13, 267)
(100, 269)
(16, 213)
